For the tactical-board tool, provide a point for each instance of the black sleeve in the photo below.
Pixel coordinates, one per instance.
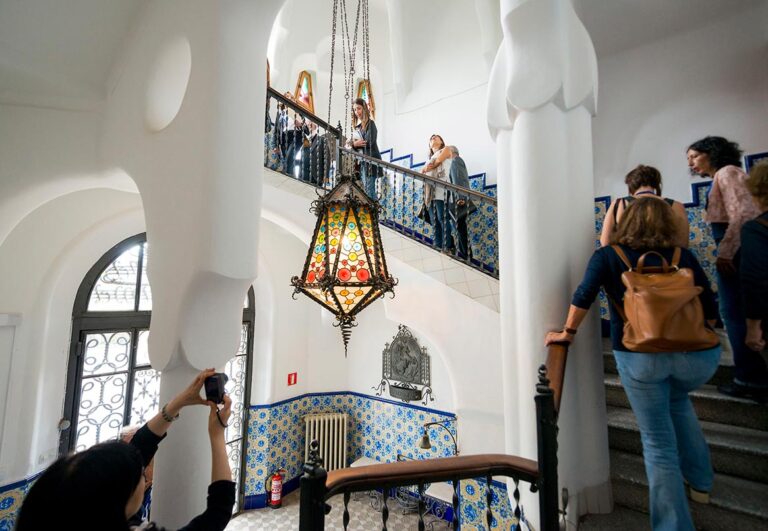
(371, 135)
(594, 276)
(221, 498)
(700, 278)
(754, 270)
(146, 442)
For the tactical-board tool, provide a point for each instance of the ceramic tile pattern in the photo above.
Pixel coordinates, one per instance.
(11, 497)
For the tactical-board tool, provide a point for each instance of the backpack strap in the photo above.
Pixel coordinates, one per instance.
(676, 257)
(623, 257)
(669, 201)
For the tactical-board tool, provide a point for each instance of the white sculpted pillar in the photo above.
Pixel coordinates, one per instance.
(185, 119)
(542, 95)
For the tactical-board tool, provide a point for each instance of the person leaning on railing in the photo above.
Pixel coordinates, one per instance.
(657, 383)
(754, 263)
(438, 167)
(364, 140)
(101, 487)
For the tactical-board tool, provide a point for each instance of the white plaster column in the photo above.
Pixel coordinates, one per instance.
(542, 93)
(397, 15)
(185, 119)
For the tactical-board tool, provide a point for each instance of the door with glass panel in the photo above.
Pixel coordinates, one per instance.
(110, 382)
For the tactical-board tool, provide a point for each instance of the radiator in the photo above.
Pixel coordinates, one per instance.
(330, 431)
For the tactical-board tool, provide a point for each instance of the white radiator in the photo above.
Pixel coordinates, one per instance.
(330, 431)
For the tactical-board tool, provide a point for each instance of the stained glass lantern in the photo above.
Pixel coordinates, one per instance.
(345, 269)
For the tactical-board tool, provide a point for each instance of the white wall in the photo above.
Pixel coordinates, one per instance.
(656, 99)
(461, 335)
(42, 263)
(45, 153)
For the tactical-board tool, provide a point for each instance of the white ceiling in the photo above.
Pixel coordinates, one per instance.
(60, 52)
(619, 25)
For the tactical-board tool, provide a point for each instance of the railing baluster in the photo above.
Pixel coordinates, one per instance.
(516, 495)
(456, 488)
(422, 506)
(489, 500)
(346, 510)
(385, 509)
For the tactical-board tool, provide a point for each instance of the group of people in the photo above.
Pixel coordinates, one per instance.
(295, 146)
(645, 230)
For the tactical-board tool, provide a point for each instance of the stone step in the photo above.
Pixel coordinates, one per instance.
(735, 451)
(709, 404)
(621, 518)
(735, 503)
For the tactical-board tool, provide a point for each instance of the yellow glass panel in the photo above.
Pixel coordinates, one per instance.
(353, 267)
(353, 297)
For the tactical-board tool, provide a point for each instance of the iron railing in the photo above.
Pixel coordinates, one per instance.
(460, 222)
(317, 485)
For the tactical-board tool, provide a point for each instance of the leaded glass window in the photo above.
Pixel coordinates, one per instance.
(110, 381)
(303, 93)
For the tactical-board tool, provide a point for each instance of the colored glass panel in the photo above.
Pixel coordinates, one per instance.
(353, 266)
(304, 92)
(350, 296)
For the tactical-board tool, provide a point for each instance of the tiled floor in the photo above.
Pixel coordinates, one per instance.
(362, 517)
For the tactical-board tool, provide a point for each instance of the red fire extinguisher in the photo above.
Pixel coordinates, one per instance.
(273, 485)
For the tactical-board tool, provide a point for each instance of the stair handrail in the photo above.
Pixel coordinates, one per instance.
(557, 355)
(317, 485)
(304, 112)
(460, 190)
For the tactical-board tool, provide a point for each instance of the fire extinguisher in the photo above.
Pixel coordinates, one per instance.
(273, 486)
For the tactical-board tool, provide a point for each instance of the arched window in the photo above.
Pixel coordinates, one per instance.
(110, 382)
(364, 91)
(303, 93)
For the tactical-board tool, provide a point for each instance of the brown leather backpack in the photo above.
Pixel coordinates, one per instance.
(662, 311)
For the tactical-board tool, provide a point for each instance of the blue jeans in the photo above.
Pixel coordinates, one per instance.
(368, 176)
(749, 365)
(437, 215)
(674, 448)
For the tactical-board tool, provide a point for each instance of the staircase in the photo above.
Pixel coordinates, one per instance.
(737, 433)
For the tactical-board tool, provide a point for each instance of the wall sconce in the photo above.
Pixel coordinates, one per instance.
(425, 443)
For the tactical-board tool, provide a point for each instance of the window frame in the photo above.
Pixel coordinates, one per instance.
(87, 322)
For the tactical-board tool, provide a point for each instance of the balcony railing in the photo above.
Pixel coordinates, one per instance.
(317, 485)
(299, 144)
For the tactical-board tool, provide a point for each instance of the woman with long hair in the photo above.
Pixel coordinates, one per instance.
(438, 167)
(102, 487)
(657, 384)
(364, 140)
(729, 206)
(644, 181)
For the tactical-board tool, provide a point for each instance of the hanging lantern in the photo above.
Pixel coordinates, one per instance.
(345, 269)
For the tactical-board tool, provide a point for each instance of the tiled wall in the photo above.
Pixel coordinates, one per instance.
(11, 497)
(379, 429)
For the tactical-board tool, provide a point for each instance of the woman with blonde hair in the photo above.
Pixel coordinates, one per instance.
(657, 384)
(754, 263)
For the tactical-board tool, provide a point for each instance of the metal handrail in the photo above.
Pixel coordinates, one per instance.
(304, 112)
(460, 190)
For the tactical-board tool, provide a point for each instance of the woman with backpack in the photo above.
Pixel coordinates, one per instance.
(644, 181)
(663, 348)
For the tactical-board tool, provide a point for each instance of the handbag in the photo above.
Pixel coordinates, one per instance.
(423, 214)
(662, 311)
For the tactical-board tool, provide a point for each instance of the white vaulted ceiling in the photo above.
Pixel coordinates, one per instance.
(60, 53)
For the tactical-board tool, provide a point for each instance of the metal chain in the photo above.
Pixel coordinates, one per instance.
(333, 52)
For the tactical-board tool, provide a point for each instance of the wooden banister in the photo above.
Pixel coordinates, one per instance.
(557, 355)
(401, 473)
